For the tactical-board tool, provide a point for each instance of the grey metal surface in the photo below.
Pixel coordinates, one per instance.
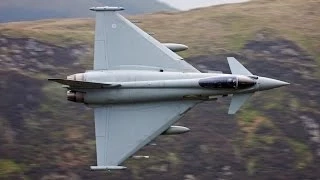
(237, 68)
(268, 83)
(121, 130)
(237, 101)
(119, 42)
(83, 85)
(107, 8)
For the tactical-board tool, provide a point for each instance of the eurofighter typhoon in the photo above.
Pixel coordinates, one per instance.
(139, 87)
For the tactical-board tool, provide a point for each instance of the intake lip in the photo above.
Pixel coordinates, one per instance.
(76, 77)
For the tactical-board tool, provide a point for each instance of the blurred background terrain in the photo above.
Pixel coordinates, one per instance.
(22, 10)
(275, 136)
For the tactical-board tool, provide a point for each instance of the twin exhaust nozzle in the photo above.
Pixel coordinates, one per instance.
(75, 96)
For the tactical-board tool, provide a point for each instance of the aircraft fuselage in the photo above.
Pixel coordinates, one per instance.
(144, 86)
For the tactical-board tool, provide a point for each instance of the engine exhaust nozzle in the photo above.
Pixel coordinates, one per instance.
(75, 96)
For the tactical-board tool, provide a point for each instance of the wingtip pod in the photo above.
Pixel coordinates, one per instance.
(100, 168)
(176, 47)
(106, 8)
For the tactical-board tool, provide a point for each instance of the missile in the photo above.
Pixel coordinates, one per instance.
(152, 144)
(140, 157)
(176, 47)
(176, 130)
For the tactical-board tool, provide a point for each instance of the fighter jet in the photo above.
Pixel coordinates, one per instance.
(139, 88)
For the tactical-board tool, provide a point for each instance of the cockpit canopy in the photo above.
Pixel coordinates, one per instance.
(219, 82)
(227, 82)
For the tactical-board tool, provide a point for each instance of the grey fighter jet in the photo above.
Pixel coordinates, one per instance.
(139, 87)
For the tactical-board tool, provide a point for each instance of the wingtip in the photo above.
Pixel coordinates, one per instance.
(231, 112)
(106, 8)
(232, 59)
(97, 168)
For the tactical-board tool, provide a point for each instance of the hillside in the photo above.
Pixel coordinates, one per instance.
(275, 136)
(26, 10)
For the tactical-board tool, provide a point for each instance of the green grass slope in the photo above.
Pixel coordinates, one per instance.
(205, 30)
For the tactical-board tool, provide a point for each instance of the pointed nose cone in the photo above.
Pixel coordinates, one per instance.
(268, 83)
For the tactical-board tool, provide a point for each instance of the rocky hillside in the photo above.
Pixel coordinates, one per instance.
(275, 136)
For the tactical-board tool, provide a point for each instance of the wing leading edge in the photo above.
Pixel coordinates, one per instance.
(118, 42)
(121, 130)
(72, 84)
